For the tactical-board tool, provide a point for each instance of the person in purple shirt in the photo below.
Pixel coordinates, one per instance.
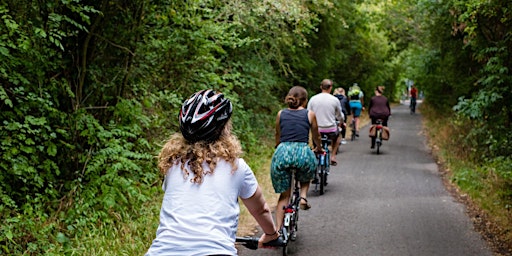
(379, 109)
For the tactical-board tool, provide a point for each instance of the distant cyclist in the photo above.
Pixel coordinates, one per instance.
(204, 178)
(356, 96)
(414, 94)
(293, 125)
(345, 109)
(327, 109)
(379, 109)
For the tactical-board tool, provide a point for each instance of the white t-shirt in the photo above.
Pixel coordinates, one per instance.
(202, 219)
(327, 109)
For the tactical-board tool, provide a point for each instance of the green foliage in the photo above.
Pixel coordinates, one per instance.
(89, 90)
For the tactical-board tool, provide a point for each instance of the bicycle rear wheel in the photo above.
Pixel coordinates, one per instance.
(353, 128)
(285, 238)
(322, 180)
(378, 141)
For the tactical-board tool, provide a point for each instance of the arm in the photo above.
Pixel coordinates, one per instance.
(339, 114)
(259, 209)
(278, 128)
(347, 107)
(314, 131)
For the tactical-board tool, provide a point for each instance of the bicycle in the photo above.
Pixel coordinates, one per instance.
(378, 135)
(252, 242)
(412, 106)
(291, 213)
(323, 165)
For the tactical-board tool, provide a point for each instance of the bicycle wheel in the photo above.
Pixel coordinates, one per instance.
(353, 128)
(378, 141)
(294, 227)
(322, 175)
(285, 246)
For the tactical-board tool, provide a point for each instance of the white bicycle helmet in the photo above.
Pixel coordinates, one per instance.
(204, 115)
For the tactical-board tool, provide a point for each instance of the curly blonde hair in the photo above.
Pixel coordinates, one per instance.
(178, 151)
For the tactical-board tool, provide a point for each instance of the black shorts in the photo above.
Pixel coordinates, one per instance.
(333, 136)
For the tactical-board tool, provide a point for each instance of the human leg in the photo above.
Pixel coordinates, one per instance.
(281, 178)
(373, 121)
(343, 133)
(357, 107)
(304, 188)
(357, 126)
(307, 169)
(281, 204)
(335, 143)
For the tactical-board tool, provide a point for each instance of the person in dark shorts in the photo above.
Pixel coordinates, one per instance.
(379, 109)
(345, 109)
(327, 109)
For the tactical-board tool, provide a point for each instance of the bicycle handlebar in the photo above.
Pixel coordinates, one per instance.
(252, 242)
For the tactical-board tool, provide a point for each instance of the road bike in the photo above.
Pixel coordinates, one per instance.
(378, 135)
(323, 165)
(252, 242)
(291, 213)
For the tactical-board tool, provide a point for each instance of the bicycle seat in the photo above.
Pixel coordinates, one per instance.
(379, 123)
(325, 139)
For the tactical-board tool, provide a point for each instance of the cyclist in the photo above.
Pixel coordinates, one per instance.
(204, 177)
(327, 109)
(293, 125)
(414, 93)
(345, 109)
(379, 109)
(356, 96)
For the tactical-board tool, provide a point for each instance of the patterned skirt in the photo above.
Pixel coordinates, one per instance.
(289, 155)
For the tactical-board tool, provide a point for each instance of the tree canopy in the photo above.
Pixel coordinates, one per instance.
(90, 89)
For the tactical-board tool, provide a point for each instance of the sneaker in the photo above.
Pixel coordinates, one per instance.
(343, 141)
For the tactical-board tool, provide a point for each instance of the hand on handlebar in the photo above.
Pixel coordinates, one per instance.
(267, 238)
(319, 150)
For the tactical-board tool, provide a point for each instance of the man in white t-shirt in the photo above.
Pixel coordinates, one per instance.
(328, 110)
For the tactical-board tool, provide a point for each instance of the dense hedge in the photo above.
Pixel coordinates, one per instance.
(90, 89)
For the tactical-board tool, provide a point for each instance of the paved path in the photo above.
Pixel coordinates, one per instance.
(388, 204)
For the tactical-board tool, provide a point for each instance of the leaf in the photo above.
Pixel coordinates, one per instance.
(61, 238)
(4, 51)
(52, 149)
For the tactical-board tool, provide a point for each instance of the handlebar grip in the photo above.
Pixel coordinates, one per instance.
(279, 242)
(252, 242)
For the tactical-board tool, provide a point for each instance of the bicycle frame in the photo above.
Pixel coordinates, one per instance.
(378, 135)
(323, 165)
(291, 213)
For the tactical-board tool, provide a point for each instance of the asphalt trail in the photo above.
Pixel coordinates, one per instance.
(393, 203)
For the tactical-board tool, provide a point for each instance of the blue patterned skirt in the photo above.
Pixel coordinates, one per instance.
(289, 155)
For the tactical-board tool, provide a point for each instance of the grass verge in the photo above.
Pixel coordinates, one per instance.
(474, 184)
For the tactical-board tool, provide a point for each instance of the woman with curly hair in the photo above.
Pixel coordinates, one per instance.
(204, 177)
